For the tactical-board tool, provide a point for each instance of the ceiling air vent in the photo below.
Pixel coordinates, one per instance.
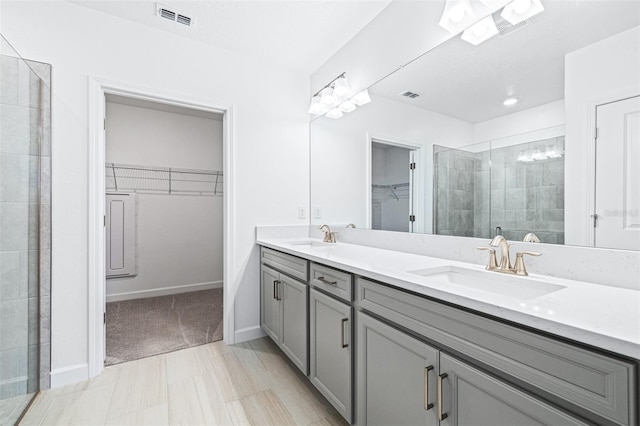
(166, 13)
(505, 28)
(409, 94)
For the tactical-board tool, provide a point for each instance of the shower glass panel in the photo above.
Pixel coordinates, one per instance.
(24, 108)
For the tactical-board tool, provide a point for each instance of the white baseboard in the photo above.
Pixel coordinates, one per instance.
(68, 375)
(248, 333)
(164, 291)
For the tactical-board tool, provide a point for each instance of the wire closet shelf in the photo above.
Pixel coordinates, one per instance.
(394, 191)
(162, 180)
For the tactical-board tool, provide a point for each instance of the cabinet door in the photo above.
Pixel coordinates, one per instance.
(331, 346)
(396, 376)
(269, 303)
(471, 397)
(293, 299)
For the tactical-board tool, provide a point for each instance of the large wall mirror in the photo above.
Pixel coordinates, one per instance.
(502, 136)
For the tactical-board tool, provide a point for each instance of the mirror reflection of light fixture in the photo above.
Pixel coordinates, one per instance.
(347, 106)
(457, 15)
(335, 98)
(334, 113)
(361, 98)
(481, 31)
(510, 101)
(519, 10)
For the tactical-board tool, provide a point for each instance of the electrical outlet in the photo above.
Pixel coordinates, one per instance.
(317, 212)
(302, 212)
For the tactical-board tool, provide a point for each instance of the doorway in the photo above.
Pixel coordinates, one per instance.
(164, 225)
(99, 89)
(616, 217)
(392, 187)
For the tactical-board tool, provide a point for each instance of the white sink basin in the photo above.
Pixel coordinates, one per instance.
(489, 282)
(309, 243)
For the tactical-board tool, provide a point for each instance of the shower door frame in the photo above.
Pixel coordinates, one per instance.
(98, 89)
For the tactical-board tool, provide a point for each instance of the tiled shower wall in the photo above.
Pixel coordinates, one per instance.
(25, 226)
(478, 191)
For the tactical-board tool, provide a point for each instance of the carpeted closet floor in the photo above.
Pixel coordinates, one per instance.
(144, 327)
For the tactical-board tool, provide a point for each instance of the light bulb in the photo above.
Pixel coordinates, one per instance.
(341, 88)
(481, 31)
(326, 96)
(456, 14)
(510, 101)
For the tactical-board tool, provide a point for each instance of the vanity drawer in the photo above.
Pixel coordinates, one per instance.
(290, 265)
(593, 382)
(332, 281)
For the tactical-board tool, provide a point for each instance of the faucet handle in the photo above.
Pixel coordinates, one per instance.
(519, 267)
(493, 262)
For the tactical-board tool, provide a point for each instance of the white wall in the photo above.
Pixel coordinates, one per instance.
(602, 72)
(270, 144)
(522, 122)
(339, 155)
(179, 236)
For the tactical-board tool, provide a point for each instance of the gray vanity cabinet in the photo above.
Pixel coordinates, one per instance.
(396, 376)
(472, 398)
(283, 314)
(330, 322)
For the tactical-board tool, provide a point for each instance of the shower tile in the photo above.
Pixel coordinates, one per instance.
(33, 306)
(497, 178)
(19, 131)
(32, 381)
(13, 323)
(534, 174)
(514, 176)
(560, 197)
(45, 273)
(45, 366)
(45, 178)
(29, 272)
(553, 172)
(14, 224)
(14, 177)
(13, 363)
(532, 198)
(515, 198)
(45, 316)
(9, 275)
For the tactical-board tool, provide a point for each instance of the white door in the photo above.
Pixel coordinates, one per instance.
(617, 197)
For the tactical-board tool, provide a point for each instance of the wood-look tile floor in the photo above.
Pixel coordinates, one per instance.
(251, 383)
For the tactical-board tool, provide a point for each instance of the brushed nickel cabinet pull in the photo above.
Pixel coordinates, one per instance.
(342, 323)
(275, 285)
(441, 415)
(326, 281)
(278, 295)
(427, 404)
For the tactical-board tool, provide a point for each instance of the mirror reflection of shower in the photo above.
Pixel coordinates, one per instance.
(518, 188)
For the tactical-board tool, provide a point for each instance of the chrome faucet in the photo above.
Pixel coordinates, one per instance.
(329, 235)
(351, 225)
(505, 260)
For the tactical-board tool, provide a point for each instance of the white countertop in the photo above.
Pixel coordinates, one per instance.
(598, 315)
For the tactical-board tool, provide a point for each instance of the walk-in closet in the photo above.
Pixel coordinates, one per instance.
(164, 228)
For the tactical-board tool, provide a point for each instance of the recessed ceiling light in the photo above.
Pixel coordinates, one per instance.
(510, 101)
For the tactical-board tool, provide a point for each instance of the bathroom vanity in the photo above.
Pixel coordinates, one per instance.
(399, 338)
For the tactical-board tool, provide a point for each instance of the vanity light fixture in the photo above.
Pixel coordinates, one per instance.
(520, 10)
(481, 31)
(510, 101)
(457, 15)
(336, 98)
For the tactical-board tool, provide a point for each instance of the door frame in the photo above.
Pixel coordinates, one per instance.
(418, 181)
(98, 89)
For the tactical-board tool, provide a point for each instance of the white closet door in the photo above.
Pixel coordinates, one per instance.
(121, 235)
(618, 175)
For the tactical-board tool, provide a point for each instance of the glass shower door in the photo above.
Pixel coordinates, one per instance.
(23, 105)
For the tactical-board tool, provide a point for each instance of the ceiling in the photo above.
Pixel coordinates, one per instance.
(471, 82)
(297, 34)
